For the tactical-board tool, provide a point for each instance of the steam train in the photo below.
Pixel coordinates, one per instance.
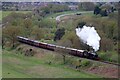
(71, 51)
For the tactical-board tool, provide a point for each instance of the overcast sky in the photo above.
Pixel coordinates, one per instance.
(60, 0)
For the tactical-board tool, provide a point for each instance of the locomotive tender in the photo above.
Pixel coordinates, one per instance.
(72, 51)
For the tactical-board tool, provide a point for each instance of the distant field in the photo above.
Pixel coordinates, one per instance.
(66, 12)
(5, 13)
(19, 66)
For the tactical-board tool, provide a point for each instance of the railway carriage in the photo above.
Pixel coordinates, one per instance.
(31, 42)
(51, 47)
(36, 43)
(22, 39)
(80, 53)
(71, 51)
(43, 45)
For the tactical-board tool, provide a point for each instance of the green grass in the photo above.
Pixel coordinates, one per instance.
(113, 56)
(19, 66)
(6, 13)
(66, 12)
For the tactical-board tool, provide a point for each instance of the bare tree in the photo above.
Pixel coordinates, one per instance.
(62, 49)
(106, 44)
(10, 34)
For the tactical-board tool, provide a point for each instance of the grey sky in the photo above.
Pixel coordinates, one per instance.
(60, 0)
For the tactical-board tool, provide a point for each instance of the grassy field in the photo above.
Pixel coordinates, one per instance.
(66, 12)
(5, 13)
(19, 66)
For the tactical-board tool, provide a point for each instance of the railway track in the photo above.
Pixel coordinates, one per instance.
(102, 61)
(107, 62)
(71, 50)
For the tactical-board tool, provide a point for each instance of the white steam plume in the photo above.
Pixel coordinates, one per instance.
(89, 36)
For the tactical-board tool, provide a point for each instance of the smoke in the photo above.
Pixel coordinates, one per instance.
(89, 36)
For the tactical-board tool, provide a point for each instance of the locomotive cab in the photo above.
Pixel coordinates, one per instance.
(94, 55)
(90, 55)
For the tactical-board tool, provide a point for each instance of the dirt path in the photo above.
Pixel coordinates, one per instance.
(109, 71)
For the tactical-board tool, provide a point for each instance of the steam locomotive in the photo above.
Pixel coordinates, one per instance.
(71, 51)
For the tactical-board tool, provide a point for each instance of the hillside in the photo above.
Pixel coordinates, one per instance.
(61, 25)
(20, 66)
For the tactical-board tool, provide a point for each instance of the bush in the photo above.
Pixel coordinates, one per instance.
(114, 58)
(104, 56)
(59, 34)
(85, 63)
(103, 13)
(81, 24)
(109, 56)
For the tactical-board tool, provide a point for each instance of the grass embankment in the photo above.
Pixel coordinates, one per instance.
(20, 66)
(111, 56)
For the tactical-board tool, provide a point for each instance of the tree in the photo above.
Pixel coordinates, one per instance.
(46, 10)
(37, 33)
(63, 52)
(103, 13)
(88, 6)
(106, 44)
(59, 33)
(11, 33)
(3, 41)
(28, 26)
(70, 39)
(27, 23)
(81, 24)
(59, 8)
(97, 10)
(112, 9)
